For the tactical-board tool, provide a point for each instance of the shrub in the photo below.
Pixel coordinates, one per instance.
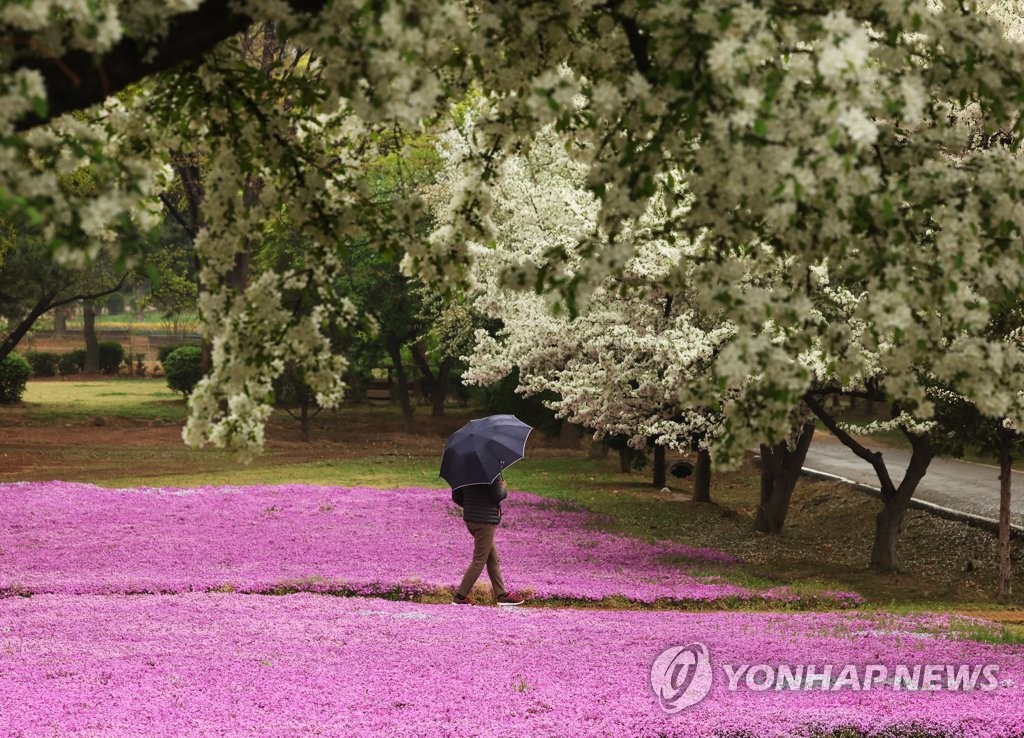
(166, 351)
(289, 388)
(111, 356)
(501, 397)
(115, 304)
(14, 373)
(43, 363)
(184, 369)
(72, 362)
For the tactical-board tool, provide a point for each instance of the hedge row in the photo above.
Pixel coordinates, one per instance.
(182, 365)
(112, 357)
(48, 364)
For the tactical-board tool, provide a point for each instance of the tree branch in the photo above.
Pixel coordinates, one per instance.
(80, 79)
(93, 296)
(634, 37)
(419, 356)
(175, 213)
(14, 337)
(872, 457)
(921, 456)
(861, 394)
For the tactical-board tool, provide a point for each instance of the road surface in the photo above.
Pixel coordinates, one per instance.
(961, 486)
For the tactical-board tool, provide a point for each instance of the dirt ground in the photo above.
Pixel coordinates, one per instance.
(79, 449)
(1005, 617)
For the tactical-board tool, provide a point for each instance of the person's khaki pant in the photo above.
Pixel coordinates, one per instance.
(485, 553)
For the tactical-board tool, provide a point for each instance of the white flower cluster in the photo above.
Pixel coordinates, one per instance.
(617, 368)
(879, 138)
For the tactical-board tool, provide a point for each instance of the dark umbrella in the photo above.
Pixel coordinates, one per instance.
(480, 450)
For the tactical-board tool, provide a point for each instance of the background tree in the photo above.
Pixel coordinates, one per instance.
(618, 366)
(403, 167)
(31, 284)
(895, 497)
(378, 288)
(171, 273)
(450, 323)
(91, 280)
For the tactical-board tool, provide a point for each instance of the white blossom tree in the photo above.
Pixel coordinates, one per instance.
(833, 134)
(806, 130)
(618, 366)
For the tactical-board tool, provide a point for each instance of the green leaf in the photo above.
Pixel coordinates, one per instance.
(155, 277)
(888, 211)
(39, 106)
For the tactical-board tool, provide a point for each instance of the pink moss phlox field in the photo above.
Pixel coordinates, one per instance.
(68, 538)
(248, 665)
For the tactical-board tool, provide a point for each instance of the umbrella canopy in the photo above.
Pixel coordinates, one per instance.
(480, 450)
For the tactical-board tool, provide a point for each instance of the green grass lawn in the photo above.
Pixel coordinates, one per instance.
(123, 398)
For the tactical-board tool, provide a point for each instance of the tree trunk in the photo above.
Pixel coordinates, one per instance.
(206, 358)
(896, 500)
(238, 277)
(60, 322)
(780, 469)
(702, 477)
(428, 382)
(1003, 587)
(659, 466)
(394, 347)
(444, 373)
(770, 516)
(191, 178)
(889, 521)
(626, 460)
(92, 342)
(304, 416)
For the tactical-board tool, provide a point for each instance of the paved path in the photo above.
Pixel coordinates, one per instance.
(961, 486)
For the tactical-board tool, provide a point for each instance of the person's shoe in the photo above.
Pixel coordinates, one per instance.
(460, 599)
(508, 600)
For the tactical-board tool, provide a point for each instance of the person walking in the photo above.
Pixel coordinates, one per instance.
(481, 511)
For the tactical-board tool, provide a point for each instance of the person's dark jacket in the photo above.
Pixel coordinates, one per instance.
(480, 503)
